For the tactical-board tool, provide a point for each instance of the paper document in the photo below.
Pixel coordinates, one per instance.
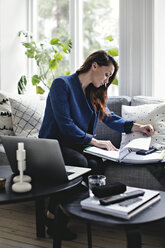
(134, 145)
(139, 144)
(128, 153)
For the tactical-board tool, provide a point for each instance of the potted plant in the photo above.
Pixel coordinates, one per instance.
(47, 56)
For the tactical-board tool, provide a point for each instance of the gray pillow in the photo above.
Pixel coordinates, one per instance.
(140, 100)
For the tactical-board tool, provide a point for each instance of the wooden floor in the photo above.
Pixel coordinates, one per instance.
(17, 229)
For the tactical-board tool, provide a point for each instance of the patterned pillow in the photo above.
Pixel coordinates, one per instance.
(6, 126)
(27, 115)
(145, 114)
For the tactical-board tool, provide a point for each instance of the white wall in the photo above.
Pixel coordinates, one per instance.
(13, 63)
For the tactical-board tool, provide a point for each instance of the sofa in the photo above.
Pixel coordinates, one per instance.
(151, 176)
(22, 115)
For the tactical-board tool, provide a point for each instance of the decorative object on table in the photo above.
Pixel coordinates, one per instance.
(21, 184)
(48, 56)
(2, 183)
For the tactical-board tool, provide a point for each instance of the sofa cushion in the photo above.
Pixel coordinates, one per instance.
(139, 100)
(145, 114)
(6, 126)
(27, 115)
(133, 175)
(105, 133)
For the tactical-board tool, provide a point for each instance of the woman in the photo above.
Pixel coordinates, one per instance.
(74, 105)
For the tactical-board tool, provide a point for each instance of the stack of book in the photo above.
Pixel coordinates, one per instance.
(124, 209)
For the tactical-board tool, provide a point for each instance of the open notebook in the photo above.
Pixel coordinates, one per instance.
(128, 153)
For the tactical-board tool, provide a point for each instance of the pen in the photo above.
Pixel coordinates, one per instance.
(162, 156)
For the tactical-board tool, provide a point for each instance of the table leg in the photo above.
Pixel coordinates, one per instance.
(89, 235)
(133, 238)
(40, 220)
(57, 230)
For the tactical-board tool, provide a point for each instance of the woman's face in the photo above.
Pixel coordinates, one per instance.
(101, 74)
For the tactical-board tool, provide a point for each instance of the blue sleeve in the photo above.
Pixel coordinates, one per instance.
(117, 123)
(59, 98)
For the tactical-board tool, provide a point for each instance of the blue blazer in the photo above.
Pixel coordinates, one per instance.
(68, 113)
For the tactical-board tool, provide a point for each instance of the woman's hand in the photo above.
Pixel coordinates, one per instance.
(147, 129)
(105, 144)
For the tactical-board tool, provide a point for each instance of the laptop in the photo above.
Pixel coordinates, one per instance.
(44, 159)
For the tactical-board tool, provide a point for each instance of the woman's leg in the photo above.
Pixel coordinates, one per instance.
(75, 157)
(54, 208)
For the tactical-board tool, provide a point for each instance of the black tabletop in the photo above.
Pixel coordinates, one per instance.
(39, 189)
(151, 214)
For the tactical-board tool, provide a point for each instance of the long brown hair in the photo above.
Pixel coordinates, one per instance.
(99, 95)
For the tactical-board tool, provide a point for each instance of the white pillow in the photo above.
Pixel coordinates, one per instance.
(146, 114)
(27, 115)
(6, 126)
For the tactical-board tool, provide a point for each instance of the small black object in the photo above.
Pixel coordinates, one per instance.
(120, 198)
(144, 152)
(108, 190)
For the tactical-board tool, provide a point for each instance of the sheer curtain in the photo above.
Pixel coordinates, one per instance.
(136, 47)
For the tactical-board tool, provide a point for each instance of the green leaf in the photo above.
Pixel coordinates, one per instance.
(56, 41)
(36, 79)
(30, 53)
(53, 64)
(26, 44)
(115, 82)
(113, 52)
(22, 85)
(67, 72)
(50, 80)
(58, 56)
(67, 46)
(39, 90)
(109, 38)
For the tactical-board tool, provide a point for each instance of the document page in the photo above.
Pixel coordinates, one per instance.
(143, 159)
(139, 144)
(112, 155)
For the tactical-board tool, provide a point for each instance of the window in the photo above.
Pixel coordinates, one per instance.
(86, 22)
(53, 22)
(100, 19)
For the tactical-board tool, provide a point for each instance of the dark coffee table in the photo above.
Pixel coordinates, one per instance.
(38, 193)
(152, 214)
